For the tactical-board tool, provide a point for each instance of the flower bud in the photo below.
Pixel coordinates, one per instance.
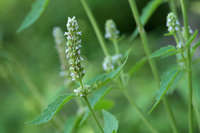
(172, 23)
(111, 30)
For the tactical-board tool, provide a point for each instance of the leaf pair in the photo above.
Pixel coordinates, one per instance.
(57, 104)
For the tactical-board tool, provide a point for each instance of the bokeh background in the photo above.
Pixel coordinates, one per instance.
(29, 64)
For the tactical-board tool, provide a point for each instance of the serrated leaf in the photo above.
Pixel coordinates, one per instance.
(94, 99)
(164, 51)
(110, 122)
(102, 79)
(167, 81)
(52, 109)
(37, 9)
(147, 12)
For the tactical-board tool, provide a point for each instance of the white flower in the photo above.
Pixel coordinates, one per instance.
(82, 91)
(111, 30)
(73, 49)
(110, 62)
(172, 23)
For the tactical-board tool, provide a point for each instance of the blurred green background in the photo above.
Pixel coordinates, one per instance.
(29, 64)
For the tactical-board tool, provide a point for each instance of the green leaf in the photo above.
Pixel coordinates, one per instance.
(37, 9)
(164, 51)
(137, 66)
(191, 39)
(52, 109)
(94, 99)
(147, 12)
(110, 122)
(168, 80)
(72, 123)
(103, 79)
(195, 46)
(104, 104)
(69, 125)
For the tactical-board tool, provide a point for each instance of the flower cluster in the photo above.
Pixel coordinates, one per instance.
(172, 23)
(73, 49)
(111, 30)
(82, 91)
(110, 62)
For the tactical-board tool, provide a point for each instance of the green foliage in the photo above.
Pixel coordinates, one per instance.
(52, 109)
(37, 9)
(70, 124)
(168, 80)
(137, 66)
(95, 98)
(103, 79)
(191, 39)
(147, 12)
(110, 122)
(164, 51)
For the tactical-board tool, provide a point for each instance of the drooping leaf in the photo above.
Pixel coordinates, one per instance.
(147, 12)
(168, 80)
(37, 9)
(164, 51)
(94, 99)
(52, 109)
(110, 122)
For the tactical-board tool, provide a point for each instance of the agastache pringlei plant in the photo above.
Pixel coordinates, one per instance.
(73, 71)
(184, 38)
(112, 33)
(73, 55)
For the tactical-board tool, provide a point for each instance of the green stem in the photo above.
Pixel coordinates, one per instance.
(138, 110)
(90, 108)
(151, 62)
(124, 91)
(189, 66)
(172, 5)
(95, 26)
(116, 46)
(93, 113)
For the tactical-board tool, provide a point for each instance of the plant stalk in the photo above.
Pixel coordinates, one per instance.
(90, 108)
(93, 113)
(189, 67)
(151, 62)
(95, 27)
(127, 96)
